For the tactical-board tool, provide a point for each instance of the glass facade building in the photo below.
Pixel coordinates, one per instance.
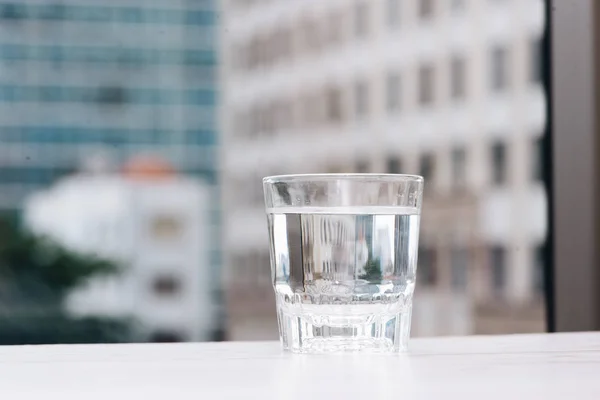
(83, 81)
(124, 78)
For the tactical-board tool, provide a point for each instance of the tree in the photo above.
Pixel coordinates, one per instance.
(372, 271)
(36, 274)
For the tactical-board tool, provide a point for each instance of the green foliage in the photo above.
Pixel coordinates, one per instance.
(372, 271)
(35, 276)
(56, 328)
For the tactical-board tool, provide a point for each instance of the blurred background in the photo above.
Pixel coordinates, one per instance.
(134, 135)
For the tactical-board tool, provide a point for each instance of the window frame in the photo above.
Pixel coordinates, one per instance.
(461, 254)
(361, 99)
(427, 166)
(499, 163)
(426, 9)
(393, 164)
(361, 21)
(571, 164)
(499, 68)
(426, 81)
(458, 77)
(459, 166)
(498, 270)
(393, 92)
(394, 14)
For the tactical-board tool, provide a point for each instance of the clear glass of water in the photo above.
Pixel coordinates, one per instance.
(343, 259)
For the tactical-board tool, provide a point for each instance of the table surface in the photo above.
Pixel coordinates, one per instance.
(545, 366)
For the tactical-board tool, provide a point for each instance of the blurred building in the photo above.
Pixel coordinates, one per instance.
(155, 225)
(449, 89)
(128, 76)
(119, 78)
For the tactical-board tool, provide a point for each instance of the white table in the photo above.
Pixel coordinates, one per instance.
(560, 366)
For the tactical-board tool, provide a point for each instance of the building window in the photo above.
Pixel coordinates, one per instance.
(306, 111)
(393, 92)
(269, 118)
(393, 13)
(254, 52)
(314, 108)
(166, 285)
(394, 165)
(261, 267)
(310, 34)
(361, 99)
(535, 61)
(426, 85)
(254, 121)
(335, 27)
(282, 116)
(458, 78)
(166, 227)
(239, 54)
(426, 9)
(538, 270)
(335, 169)
(499, 163)
(111, 95)
(13, 11)
(361, 19)
(457, 5)
(281, 43)
(427, 167)
(459, 267)
(427, 268)
(333, 104)
(499, 69)
(498, 269)
(536, 159)
(261, 120)
(459, 167)
(362, 167)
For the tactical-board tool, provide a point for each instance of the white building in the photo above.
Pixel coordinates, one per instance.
(446, 89)
(155, 225)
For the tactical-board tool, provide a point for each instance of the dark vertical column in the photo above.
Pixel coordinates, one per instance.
(575, 164)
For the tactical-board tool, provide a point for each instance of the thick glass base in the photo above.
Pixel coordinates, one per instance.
(380, 328)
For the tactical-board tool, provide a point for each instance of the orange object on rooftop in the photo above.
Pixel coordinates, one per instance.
(148, 167)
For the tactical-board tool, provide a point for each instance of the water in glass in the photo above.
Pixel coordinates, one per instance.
(344, 277)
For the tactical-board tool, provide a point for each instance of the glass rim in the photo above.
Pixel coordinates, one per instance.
(356, 177)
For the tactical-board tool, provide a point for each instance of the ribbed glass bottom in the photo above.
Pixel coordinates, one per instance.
(344, 328)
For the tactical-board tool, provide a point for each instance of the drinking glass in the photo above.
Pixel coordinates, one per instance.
(343, 253)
